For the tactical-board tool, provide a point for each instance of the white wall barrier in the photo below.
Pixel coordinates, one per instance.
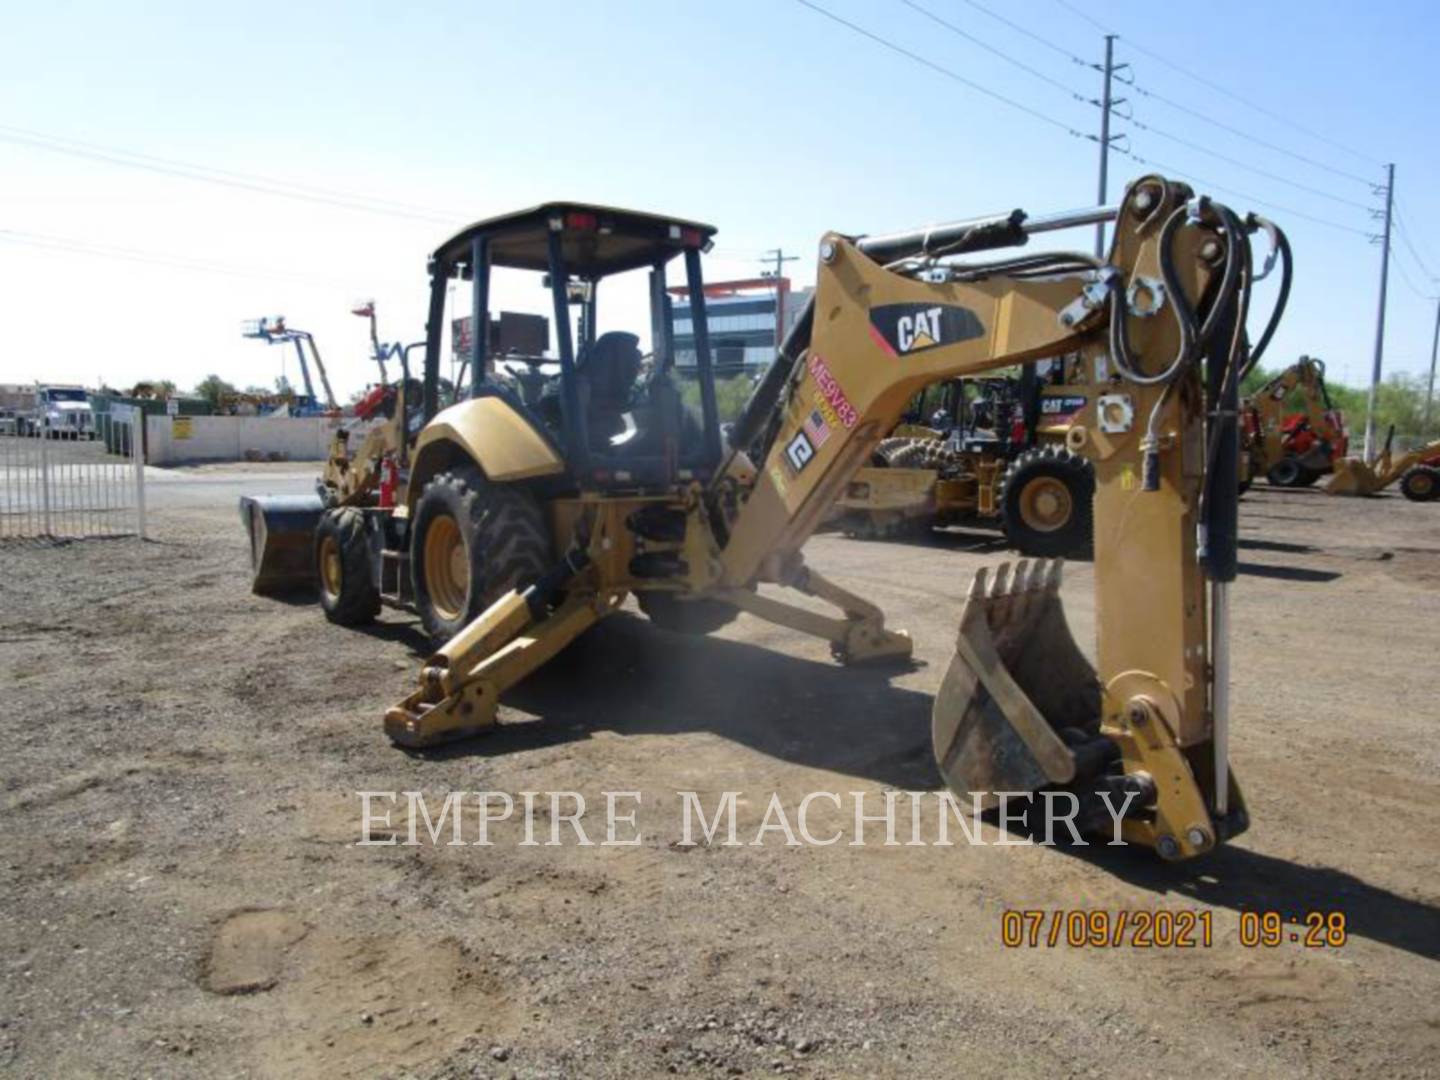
(174, 440)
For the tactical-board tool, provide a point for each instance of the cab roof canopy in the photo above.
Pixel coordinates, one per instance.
(596, 240)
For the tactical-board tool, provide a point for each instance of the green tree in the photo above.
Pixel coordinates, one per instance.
(1399, 400)
(213, 388)
(730, 395)
(156, 388)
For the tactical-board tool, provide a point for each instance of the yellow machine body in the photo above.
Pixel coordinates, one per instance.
(1020, 708)
(1356, 477)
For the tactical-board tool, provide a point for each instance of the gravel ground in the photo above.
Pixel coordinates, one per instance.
(182, 893)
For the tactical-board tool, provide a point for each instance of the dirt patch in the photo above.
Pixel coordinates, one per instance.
(183, 893)
(249, 951)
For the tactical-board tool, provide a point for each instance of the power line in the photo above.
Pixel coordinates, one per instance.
(1242, 164)
(68, 245)
(1405, 277)
(1221, 88)
(1187, 110)
(1019, 29)
(221, 177)
(1404, 231)
(1035, 72)
(1198, 115)
(949, 74)
(1194, 113)
(1172, 170)
(1093, 22)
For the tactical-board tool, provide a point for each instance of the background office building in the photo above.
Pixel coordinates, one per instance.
(748, 320)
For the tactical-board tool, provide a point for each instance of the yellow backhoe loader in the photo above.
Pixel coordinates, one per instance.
(1292, 449)
(1417, 470)
(996, 453)
(524, 521)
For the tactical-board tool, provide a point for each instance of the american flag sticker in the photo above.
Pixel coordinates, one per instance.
(816, 428)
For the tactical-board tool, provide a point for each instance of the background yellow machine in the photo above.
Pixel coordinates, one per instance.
(1292, 448)
(1417, 470)
(523, 521)
(995, 453)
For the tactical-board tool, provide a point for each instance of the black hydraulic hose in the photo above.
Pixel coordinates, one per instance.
(1218, 547)
(1192, 342)
(1184, 315)
(1287, 273)
(1236, 237)
(1045, 264)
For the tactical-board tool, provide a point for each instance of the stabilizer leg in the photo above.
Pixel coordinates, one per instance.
(859, 637)
(454, 703)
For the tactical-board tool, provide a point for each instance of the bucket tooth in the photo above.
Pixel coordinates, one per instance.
(1016, 680)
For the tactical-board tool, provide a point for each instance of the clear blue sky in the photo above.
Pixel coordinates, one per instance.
(765, 118)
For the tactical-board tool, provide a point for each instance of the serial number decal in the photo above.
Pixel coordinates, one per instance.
(831, 392)
(1079, 929)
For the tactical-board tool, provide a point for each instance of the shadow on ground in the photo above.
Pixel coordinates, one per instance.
(1244, 880)
(629, 677)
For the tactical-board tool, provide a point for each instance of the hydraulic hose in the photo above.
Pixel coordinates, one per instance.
(1287, 273)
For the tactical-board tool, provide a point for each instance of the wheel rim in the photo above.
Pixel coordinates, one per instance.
(1045, 504)
(330, 570)
(1421, 484)
(447, 570)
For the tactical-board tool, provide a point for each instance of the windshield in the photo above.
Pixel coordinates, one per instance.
(65, 395)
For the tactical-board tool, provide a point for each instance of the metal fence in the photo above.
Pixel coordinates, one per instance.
(70, 489)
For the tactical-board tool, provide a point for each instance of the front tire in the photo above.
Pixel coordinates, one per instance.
(1420, 483)
(348, 593)
(1047, 503)
(472, 541)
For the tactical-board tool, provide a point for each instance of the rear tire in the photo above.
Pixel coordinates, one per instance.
(348, 593)
(1287, 473)
(1046, 503)
(472, 541)
(1420, 483)
(695, 617)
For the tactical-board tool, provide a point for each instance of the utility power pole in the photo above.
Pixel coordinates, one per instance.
(1430, 390)
(779, 258)
(1380, 315)
(1107, 104)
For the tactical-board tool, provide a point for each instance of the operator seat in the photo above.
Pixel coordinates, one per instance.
(606, 374)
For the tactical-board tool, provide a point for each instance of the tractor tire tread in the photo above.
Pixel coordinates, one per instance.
(1077, 536)
(513, 542)
(359, 600)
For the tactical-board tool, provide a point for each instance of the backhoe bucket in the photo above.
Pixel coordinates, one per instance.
(282, 540)
(1019, 696)
(1352, 477)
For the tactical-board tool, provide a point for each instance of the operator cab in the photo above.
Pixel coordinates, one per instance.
(614, 410)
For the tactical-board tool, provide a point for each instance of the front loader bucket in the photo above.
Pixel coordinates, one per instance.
(1352, 477)
(282, 540)
(1019, 694)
